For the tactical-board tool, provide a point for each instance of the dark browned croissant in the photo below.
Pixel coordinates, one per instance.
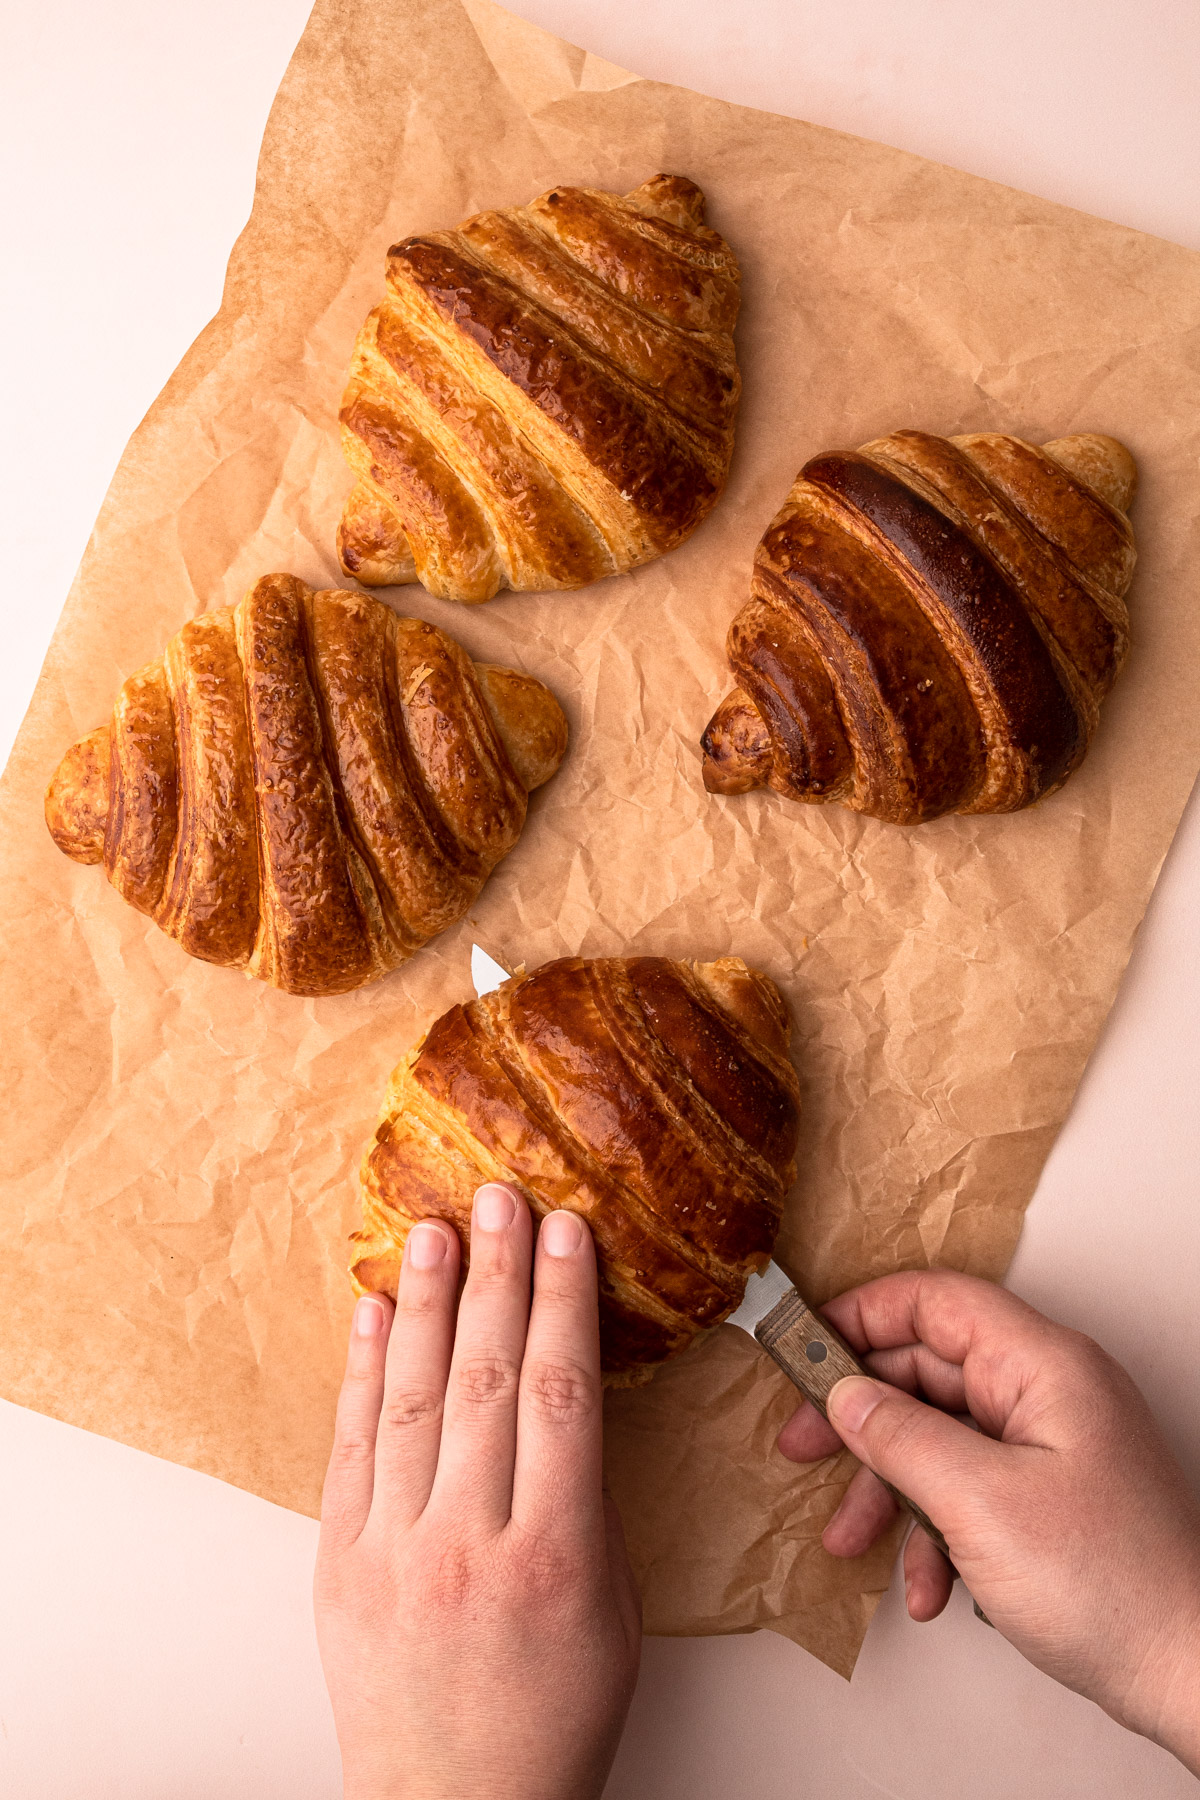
(656, 1098)
(933, 625)
(545, 396)
(307, 787)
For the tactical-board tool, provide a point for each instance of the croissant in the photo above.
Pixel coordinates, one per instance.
(545, 396)
(932, 626)
(307, 787)
(653, 1097)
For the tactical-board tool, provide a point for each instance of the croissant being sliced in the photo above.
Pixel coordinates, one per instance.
(307, 787)
(932, 626)
(545, 396)
(654, 1097)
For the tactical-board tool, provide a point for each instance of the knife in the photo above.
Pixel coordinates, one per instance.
(814, 1357)
(807, 1349)
(486, 973)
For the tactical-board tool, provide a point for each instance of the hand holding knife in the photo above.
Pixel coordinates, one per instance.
(814, 1357)
(808, 1350)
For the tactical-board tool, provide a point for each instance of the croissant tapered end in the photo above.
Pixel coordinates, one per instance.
(376, 1269)
(653, 1097)
(751, 998)
(1104, 464)
(670, 197)
(77, 798)
(531, 723)
(370, 543)
(737, 747)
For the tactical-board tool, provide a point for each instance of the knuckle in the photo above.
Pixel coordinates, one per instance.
(559, 1393)
(410, 1407)
(540, 1569)
(485, 1381)
(1095, 1364)
(346, 1587)
(352, 1447)
(491, 1270)
(360, 1374)
(448, 1580)
(417, 1300)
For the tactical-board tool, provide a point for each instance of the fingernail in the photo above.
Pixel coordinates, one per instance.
(561, 1233)
(851, 1402)
(495, 1208)
(426, 1246)
(368, 1318)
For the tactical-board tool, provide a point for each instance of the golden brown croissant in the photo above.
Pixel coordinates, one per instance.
(654, 1097)
(307, 787)
(546, 395)
(932, 626)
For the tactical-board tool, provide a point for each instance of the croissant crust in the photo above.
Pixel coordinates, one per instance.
(655, 1098)
(932, 626)
(545, 396)
(307, 787)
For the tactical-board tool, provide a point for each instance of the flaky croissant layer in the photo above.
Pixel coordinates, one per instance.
(654, 1097)
(932, 626)
(307, 787)
(546, 395)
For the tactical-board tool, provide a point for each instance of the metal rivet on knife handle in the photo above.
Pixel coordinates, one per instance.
(813, 1356)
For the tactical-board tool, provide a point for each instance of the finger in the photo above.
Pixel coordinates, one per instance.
(928, 1577)
(940, 1307)
(418, 1361)
(474, 1480)
(866, 1511)
(808, 1436)
(939, 1463)
(950, 1312)
(349, 1479)
(921, 1371)
(557, 1484)
(1000, 1343)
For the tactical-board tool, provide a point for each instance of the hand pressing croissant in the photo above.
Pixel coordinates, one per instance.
(546, 396)
(654, 1097)
(933, 625)
(307, 787)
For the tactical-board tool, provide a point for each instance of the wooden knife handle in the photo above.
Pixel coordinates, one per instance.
(812, 1355)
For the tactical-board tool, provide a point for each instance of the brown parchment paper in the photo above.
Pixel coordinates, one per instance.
(180, 1142)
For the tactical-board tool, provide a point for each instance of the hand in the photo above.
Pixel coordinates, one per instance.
(1066, 1514)
(478, 1622)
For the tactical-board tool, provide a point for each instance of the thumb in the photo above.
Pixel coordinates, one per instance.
(934, 1460)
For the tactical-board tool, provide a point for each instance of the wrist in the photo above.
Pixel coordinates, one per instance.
(1178, 1726)
(1170, 1682)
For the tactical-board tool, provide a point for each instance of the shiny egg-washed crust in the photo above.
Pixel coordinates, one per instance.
(932, 626)
(307, 787)
(655, 1098)
(545, 396)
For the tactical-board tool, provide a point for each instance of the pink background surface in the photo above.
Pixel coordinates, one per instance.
(156, 1636)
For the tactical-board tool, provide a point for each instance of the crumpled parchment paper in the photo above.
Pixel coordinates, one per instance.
(181, 1142)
